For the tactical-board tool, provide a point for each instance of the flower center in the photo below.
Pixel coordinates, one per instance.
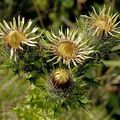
(103, 24)
(67, 49)
(61, 76)
(14, 38)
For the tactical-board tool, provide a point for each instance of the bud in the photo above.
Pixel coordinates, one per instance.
(60, 81)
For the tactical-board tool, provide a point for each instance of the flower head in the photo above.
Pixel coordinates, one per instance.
(103, 22)
(60, 79)
(60, 82)
(15, 34)
(69, 47)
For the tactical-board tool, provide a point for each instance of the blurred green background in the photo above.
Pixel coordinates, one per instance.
(49, 14)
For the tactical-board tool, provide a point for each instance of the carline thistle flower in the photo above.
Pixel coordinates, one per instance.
(60, 79)
(69, 47)
(103, 23)
(15, 34)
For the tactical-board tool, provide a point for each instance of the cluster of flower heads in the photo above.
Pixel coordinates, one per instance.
(70, 47)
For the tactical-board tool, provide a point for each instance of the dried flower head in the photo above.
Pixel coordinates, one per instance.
(60, 79)
(103, 23)
(15, 34)
(69, 47)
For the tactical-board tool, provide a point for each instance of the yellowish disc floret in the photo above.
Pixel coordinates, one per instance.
(14, 38)
(67, 49)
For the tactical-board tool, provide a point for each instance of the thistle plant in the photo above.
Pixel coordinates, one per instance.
(58, 64)
(70, 47)
(15, 34)
(104, 22)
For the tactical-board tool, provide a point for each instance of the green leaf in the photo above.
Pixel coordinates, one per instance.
(114, 63)
(115, 48)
